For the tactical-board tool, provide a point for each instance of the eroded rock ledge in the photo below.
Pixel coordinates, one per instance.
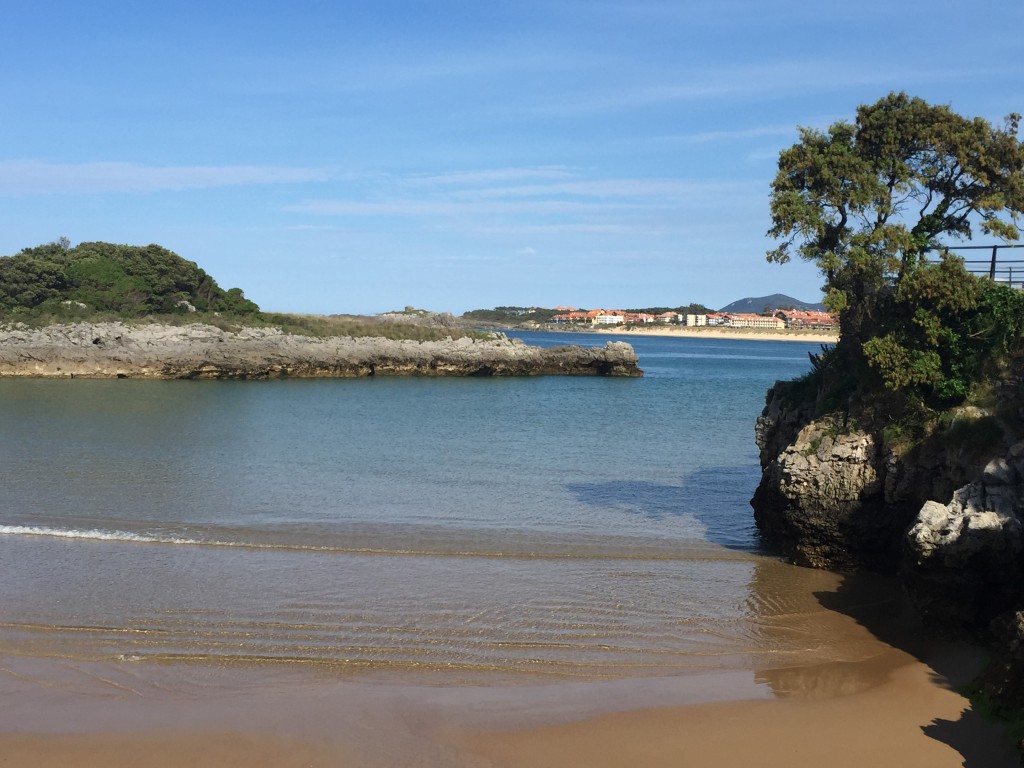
(116, 350)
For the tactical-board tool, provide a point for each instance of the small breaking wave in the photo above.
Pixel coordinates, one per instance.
(98, 535)
(407, 542)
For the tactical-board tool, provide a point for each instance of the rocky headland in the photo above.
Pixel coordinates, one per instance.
(944, 513)
(196, 351)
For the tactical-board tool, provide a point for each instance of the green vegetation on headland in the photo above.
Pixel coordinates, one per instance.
(875, 204)
(92, 282)
(58, 282)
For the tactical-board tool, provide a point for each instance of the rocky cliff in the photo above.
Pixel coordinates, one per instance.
(945, 514)
(116, 350)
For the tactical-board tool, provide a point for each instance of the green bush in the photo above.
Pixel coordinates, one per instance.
(123, 280)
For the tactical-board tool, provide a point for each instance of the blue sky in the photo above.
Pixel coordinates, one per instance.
(361, 157)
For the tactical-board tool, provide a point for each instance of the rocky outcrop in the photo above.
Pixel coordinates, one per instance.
(963, 562)
(834, 495)
(819, 500)
(946, 515)
(116, 350)
(823, 499)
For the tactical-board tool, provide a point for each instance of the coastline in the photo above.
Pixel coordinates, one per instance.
(197, 351)
(908, 721)
(880, 699)
(738, 334)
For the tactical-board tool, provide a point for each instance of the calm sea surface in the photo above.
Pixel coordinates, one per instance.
(577, 527)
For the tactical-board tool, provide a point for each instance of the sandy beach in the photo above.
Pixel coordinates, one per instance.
(741, 334)
(897, 706)
(485, 652)
(907, 722)
(912, 718)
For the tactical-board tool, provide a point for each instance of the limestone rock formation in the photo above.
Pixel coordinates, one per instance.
(834, 495)
(1003, 679)
(116, 350)
(822, 498)
(964, 558)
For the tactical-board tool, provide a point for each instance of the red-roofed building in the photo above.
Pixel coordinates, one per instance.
(800, 318)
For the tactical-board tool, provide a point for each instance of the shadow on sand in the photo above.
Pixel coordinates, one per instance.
(875, 602)
(953, 664)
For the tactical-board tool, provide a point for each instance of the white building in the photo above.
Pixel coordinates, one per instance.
(745, 320)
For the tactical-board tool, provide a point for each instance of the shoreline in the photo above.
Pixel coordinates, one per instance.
(912, 718)
(738, 334)
(889, 698)
(197, 351)
(909, 721)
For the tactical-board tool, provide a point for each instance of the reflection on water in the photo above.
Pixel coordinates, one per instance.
(824, 619)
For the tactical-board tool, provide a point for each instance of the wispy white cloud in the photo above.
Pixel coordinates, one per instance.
(755, 82)
(557, 201)
(583, 228)
(663, 190)
(413, 207)
(629, 96)
(487, 176)
(35, 177)
(756, 132)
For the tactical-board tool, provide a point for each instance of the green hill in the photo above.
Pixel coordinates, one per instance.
(758, 304)
(58, 281)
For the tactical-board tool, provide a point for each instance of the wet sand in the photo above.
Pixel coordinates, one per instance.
(892, 702)
(913, 719)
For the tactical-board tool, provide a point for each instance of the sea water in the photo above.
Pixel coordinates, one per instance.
(585, 528)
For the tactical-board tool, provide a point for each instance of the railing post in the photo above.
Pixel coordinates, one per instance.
(992, 268)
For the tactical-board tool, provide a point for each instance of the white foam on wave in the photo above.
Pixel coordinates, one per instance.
(94, 534)
(433, 549)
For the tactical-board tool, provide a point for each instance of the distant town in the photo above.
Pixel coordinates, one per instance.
(776, 319)
(776, 312)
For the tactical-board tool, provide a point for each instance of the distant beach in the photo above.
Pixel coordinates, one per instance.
(744, 334)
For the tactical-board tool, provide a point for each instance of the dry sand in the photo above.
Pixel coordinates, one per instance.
(911, 720)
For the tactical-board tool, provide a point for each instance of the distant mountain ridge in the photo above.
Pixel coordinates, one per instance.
(757, 304)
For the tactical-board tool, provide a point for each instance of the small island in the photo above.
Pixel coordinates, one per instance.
(101, 310)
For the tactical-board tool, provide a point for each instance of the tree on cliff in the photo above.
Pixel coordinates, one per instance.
(869, 201)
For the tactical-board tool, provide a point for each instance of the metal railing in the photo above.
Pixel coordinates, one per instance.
(1009, 272)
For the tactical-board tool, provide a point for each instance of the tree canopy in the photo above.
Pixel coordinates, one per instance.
(873, 203)
(868, 200)
(124, 280)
